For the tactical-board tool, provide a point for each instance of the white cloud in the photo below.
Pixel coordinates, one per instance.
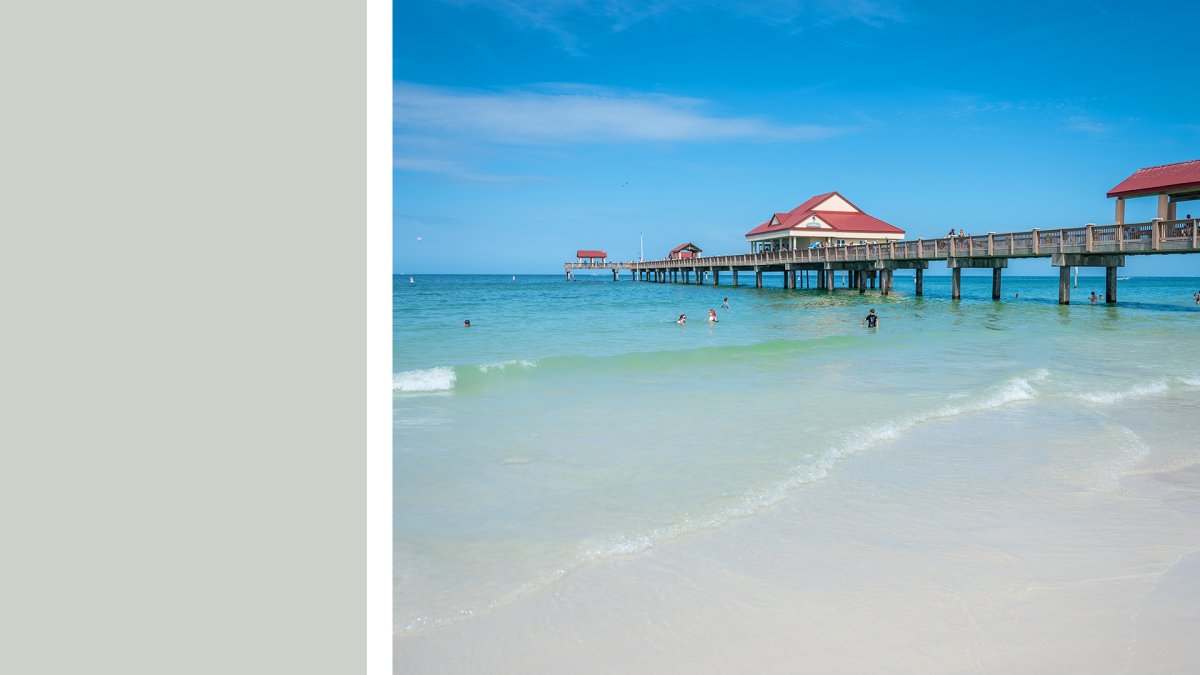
(580, 114)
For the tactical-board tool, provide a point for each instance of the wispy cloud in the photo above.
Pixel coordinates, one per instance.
(1086, 124)
(581, 114)
(453, 169)
(1068, 114)
(558, 17)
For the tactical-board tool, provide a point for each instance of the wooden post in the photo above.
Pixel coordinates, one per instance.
(757, 277)
(735, 279)
(862, 282)
(955, 283)
(829, 280)
(1110, 285)
(1120, 215)
(1120, 237)
(1037, 240)
(920, 248)
(614, 274)
(1064, 285)
(1156, 234)
(1088, 237)
(1164, 206)
(920, 278)
(716, 275)
(995, 283)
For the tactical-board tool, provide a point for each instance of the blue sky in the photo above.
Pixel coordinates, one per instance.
(527, 130)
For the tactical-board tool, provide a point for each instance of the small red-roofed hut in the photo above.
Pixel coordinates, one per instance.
(684, 251)
(590, 256)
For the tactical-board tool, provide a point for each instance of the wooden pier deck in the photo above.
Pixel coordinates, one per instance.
(1089, 246)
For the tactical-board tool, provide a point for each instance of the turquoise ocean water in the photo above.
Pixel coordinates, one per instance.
(576, 422)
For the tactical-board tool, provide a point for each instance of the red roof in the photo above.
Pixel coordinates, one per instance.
(856, 222)
(840, 221)
(1159, 179)
(590, 254)
(689, 246)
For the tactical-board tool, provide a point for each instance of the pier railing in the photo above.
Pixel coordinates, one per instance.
(1157, 236)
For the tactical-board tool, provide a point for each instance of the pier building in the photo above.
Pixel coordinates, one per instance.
(684, 251)
(824, 220)
(1170, 183)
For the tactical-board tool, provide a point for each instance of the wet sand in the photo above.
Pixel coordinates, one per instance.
(899, 578)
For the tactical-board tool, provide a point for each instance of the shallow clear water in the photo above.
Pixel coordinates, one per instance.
(575, 422)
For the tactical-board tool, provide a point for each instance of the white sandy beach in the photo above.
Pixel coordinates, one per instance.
(913, 579)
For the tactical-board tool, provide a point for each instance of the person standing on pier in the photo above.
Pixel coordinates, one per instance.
(870, 319)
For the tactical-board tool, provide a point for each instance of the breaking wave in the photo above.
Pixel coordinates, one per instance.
(441, 378)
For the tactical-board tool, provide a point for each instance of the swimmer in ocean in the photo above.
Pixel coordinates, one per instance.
(871, 319)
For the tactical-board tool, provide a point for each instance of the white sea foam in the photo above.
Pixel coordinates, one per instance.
(817, 467)
(1135, 450)
(1137, 391)
(504, 365)
(428, 380)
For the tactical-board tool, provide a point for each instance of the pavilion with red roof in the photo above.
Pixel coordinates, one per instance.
(1171, 183)
(829, 220)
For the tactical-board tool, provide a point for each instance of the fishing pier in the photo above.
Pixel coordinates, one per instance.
(873, 264)
(828, 234)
